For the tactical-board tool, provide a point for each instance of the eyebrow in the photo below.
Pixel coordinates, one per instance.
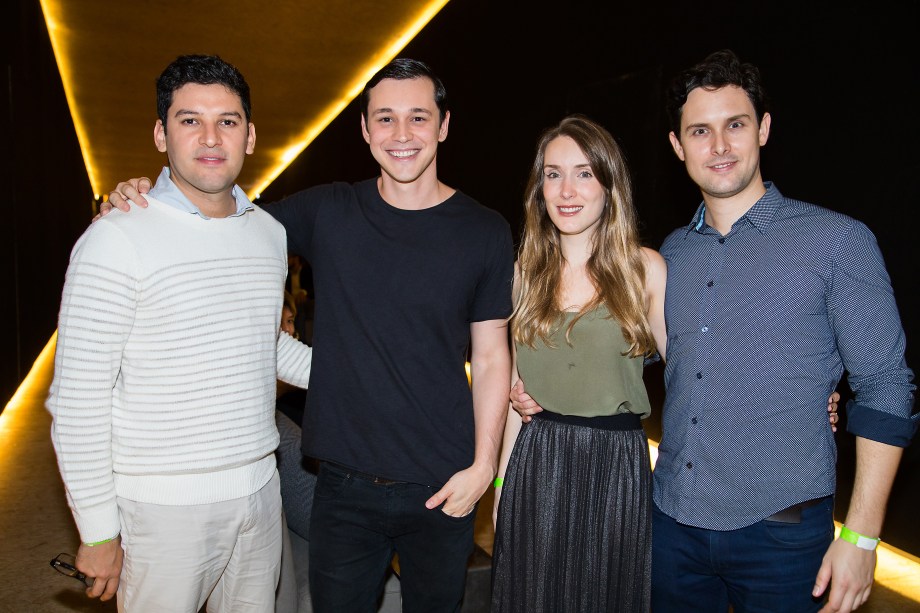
(586, 165)
(185, 112)
(412, 110)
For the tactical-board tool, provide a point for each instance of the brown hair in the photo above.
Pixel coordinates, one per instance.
(616, 265)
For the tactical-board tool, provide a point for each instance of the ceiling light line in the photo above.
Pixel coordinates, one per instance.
(54, 32)
(67, 34)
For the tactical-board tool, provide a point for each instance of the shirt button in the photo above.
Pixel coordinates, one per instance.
(705, 328)
(689, 465)
(721, 241)
(710, 284)
(693, 421)
(699, 375)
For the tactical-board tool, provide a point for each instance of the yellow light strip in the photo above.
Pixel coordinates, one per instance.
(381, 58)
(352, 90)
(31, 391)
(56, 34)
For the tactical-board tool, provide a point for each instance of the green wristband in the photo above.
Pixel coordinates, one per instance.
(102, 542)
(863, 542)
(498, 481)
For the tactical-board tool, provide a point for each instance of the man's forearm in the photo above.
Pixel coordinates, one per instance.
(490, 406)
(876, 467)
(490, 370)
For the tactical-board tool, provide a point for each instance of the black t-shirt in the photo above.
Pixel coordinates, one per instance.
(396, 292)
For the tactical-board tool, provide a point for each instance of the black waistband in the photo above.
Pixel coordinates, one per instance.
(621, 421)
(357, 474)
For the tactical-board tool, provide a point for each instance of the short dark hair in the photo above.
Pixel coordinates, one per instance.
(203, 70)
(405, 68)
(718, 70)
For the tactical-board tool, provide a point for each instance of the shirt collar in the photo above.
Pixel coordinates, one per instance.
(760, 215)
(168, 193)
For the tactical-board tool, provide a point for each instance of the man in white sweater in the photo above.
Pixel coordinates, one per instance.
(168, 350)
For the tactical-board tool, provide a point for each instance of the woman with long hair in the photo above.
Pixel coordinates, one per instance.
(573, 499)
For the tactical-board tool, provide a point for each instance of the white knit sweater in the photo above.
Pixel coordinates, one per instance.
(164, 382)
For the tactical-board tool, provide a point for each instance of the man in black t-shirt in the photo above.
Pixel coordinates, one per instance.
(409, 273)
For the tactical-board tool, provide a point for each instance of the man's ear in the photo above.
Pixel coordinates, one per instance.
(159, 136)
(675, 144)
(364, 132)
(251, 139)
(764, 131)
(442, 131)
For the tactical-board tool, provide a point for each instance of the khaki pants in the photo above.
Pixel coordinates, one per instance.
(177, 558)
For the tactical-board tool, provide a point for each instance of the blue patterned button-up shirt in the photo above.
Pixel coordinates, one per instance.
(762, 322)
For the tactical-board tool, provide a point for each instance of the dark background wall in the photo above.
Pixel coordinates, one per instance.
(843, 80)
(47, 198)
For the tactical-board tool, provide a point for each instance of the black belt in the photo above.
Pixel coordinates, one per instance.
(793, 514)
(357, 474)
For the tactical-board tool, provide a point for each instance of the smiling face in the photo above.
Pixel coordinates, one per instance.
(206, 139)
(573, 195)
(720, 143)
(403, 129)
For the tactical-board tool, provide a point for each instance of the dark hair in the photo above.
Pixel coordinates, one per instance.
(718, 70)
(203, 70)
(405, 68)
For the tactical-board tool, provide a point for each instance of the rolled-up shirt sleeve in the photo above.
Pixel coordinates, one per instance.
(871, 342)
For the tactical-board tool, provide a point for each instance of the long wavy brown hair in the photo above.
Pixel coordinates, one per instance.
(616, 265)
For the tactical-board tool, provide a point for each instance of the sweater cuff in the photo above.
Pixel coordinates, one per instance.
(98, 524)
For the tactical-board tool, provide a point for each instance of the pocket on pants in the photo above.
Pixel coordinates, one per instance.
(330, 482)
(468, 518)
(815, 530)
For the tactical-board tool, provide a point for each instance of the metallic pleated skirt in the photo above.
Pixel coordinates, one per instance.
(574, 519)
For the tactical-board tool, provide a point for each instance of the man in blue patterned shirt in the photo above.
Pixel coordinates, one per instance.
(769, 300)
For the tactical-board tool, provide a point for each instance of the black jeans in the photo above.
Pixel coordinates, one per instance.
(356, 527)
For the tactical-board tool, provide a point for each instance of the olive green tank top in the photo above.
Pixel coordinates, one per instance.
(591, 377)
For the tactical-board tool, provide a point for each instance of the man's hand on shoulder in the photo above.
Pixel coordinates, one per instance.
(103, 564)
(132, 189)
